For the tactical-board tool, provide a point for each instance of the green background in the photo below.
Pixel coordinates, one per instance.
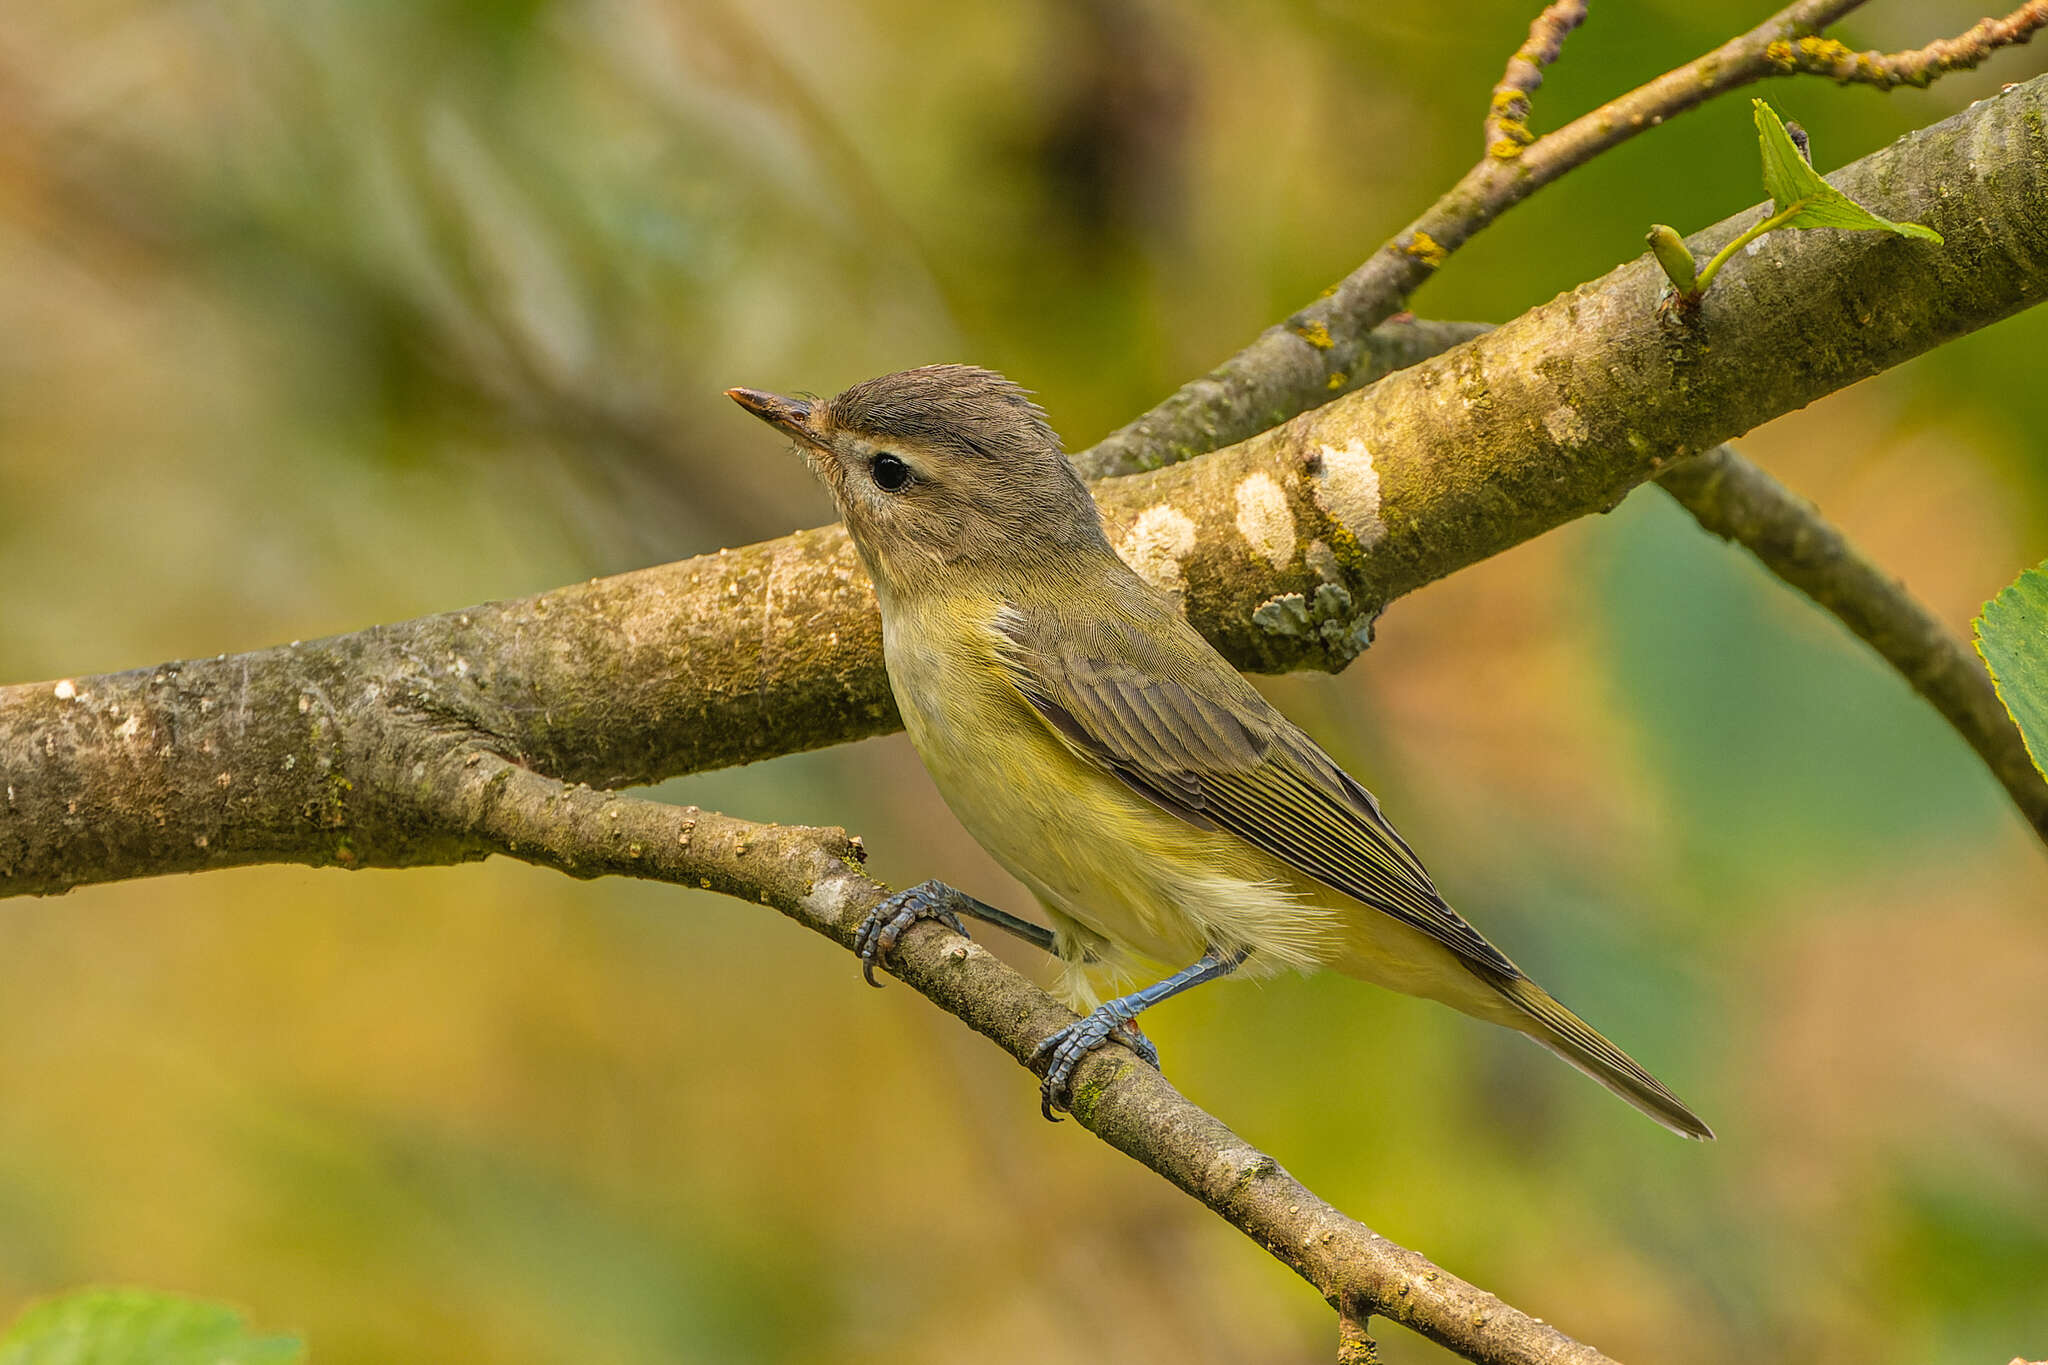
(320, 314)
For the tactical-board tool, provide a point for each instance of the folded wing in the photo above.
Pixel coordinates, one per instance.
(1183, 729)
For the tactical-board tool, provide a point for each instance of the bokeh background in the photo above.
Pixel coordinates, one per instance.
(325, 313)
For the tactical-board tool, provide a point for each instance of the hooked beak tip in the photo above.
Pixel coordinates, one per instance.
(791, 415)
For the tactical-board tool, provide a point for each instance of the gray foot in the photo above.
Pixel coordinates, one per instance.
(1068, 1046)
(877, 935)
(1114, 1021)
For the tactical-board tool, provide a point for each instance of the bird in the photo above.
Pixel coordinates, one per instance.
(1163, 812)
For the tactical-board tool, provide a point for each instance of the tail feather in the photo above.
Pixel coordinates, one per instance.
(1547, 1021)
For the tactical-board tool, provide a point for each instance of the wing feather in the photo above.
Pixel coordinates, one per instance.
(1193, 737)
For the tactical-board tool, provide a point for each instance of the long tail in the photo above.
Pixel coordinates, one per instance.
(1572, 1038)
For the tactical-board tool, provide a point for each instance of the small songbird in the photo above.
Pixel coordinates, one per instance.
(1108, 757)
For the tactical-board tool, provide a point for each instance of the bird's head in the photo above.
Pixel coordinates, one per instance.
(937, 469)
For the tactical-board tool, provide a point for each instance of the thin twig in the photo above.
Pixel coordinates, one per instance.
(1507, 115)
(1296, 364)
(1302, 362)
(1738, 501)
(1919, 67)
(1355, 1345)
(813, 876)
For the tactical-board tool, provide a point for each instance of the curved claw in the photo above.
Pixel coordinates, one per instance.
(1114, 1021)
(887, 922)
(1134, 1038)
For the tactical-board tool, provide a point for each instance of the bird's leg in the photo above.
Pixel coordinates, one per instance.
(1037, 935)
(1070, 1044)
(877, 935)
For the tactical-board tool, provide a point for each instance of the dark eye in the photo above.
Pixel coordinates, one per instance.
(891, 474)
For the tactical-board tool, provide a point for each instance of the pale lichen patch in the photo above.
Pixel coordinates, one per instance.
(1265, 520)
(1159, 541)
(1323, 560)
(1285, 614)
(1332, 618)
(131, 727)
(66, 690)
(1565, 426)
(1347, 488)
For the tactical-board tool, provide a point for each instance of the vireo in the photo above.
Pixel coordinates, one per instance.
(1095, 744)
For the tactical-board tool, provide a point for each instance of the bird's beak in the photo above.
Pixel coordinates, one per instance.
(791, 416)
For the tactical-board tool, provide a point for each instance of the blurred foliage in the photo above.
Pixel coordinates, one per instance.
(321, 314)
(2012, 635)
(138, 1327)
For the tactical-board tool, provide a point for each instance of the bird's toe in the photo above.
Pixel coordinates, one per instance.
(876, 937)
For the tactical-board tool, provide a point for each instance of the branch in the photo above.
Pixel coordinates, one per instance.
(1355, 1345)
(1295, 365)
(813, 876)
(1507, 116)
(1737, 501)
(1920, 67)
(1286, 548)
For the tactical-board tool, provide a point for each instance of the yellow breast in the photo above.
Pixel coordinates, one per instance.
(1123, 880)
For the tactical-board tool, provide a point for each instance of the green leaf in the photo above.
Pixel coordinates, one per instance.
(2012, 635)
(139, 1327)
(1807, 200)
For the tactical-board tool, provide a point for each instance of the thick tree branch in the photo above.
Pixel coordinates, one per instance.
(486, 804)
(1737, 501)
(1286, 547)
